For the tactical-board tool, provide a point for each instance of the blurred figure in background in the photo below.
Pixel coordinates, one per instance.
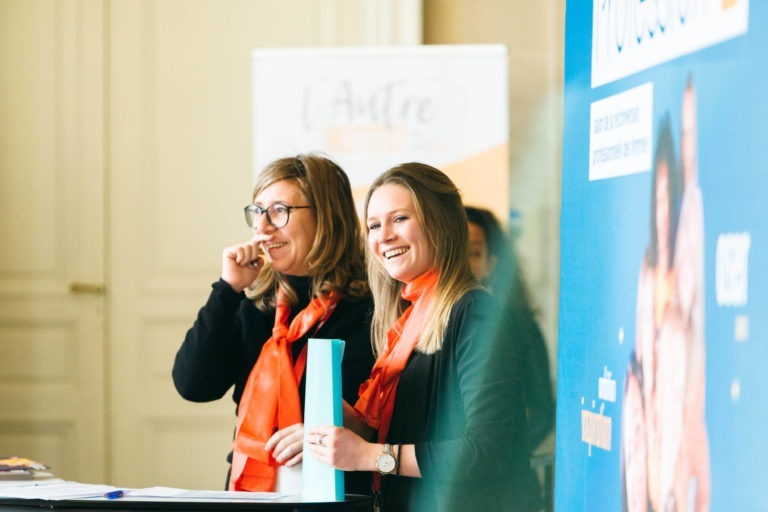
(494, 264)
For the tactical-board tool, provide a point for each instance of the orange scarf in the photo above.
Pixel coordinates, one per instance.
(377, 394)
(270, 398)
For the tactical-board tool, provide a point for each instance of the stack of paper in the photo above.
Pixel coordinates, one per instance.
(55, 490)
(60, 490)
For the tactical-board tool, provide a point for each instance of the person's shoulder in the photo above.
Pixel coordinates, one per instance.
(474, 319)
(356, 309)
(473, 301)
(474, 297)
(364, 302)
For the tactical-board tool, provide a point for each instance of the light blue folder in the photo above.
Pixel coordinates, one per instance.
(322, 406)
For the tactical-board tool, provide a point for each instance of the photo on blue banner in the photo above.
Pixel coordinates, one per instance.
(662, 397)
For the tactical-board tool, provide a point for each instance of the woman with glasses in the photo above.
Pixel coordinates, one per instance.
(301, 276)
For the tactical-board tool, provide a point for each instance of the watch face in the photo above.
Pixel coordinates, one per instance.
(385, 463)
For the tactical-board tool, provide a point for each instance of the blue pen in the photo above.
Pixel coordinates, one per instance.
(113, 495)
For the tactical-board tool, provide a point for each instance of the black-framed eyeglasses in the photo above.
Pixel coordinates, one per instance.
(277, 214)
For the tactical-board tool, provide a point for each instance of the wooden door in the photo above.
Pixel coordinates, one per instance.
(52, 294)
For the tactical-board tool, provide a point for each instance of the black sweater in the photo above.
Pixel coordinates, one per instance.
(463, 409)
(222, 346)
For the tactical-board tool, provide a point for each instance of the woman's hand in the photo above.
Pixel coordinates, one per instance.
(343, 449)
(286, 445)
(242, 263)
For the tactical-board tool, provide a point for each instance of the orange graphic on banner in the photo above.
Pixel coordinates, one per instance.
(365, 139)
(483, 179)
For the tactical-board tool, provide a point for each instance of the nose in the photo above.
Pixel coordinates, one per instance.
(386, 232)
(262, 225)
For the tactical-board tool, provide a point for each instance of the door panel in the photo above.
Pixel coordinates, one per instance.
(51, 196)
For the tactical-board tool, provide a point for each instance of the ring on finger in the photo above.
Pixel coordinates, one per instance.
(320, 441)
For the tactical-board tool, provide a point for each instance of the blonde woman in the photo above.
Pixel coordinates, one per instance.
(441, 419)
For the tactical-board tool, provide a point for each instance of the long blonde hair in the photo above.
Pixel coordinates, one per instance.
(336, 260)
(440, 211)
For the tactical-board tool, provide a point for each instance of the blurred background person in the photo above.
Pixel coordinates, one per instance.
(495, 265)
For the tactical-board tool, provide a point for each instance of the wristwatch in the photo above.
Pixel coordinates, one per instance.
(386, 463)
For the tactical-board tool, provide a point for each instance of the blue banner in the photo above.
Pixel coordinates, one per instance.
(662, 398)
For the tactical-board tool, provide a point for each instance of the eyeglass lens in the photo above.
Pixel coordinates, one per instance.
(277, 214)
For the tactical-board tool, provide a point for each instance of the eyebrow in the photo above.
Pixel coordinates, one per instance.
(388, 214)
(279, 201)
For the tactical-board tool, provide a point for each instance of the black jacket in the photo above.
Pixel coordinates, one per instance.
(463, 409)
(222, 346)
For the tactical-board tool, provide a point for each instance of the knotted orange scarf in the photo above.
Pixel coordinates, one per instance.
(377, 394)
(270, 398)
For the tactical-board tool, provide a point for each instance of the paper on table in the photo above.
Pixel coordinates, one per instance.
(61, 490)
(173, 493)
(322, 406)
(36, 480)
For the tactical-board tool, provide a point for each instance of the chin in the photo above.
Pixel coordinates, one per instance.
(294, 272)
(401, 276)
(394, 275)
(283, 269)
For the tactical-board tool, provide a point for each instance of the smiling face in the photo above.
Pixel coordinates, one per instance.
(396, 237)
(287, 247)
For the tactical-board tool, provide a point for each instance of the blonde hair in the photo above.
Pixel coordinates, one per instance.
(440, 211)
(336, 260)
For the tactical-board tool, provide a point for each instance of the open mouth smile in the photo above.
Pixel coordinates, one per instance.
(395, 252)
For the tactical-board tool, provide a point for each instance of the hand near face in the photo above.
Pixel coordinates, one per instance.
(242, 263)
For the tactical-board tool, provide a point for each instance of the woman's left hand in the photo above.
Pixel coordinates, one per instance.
(341, 448)
(286, 445)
